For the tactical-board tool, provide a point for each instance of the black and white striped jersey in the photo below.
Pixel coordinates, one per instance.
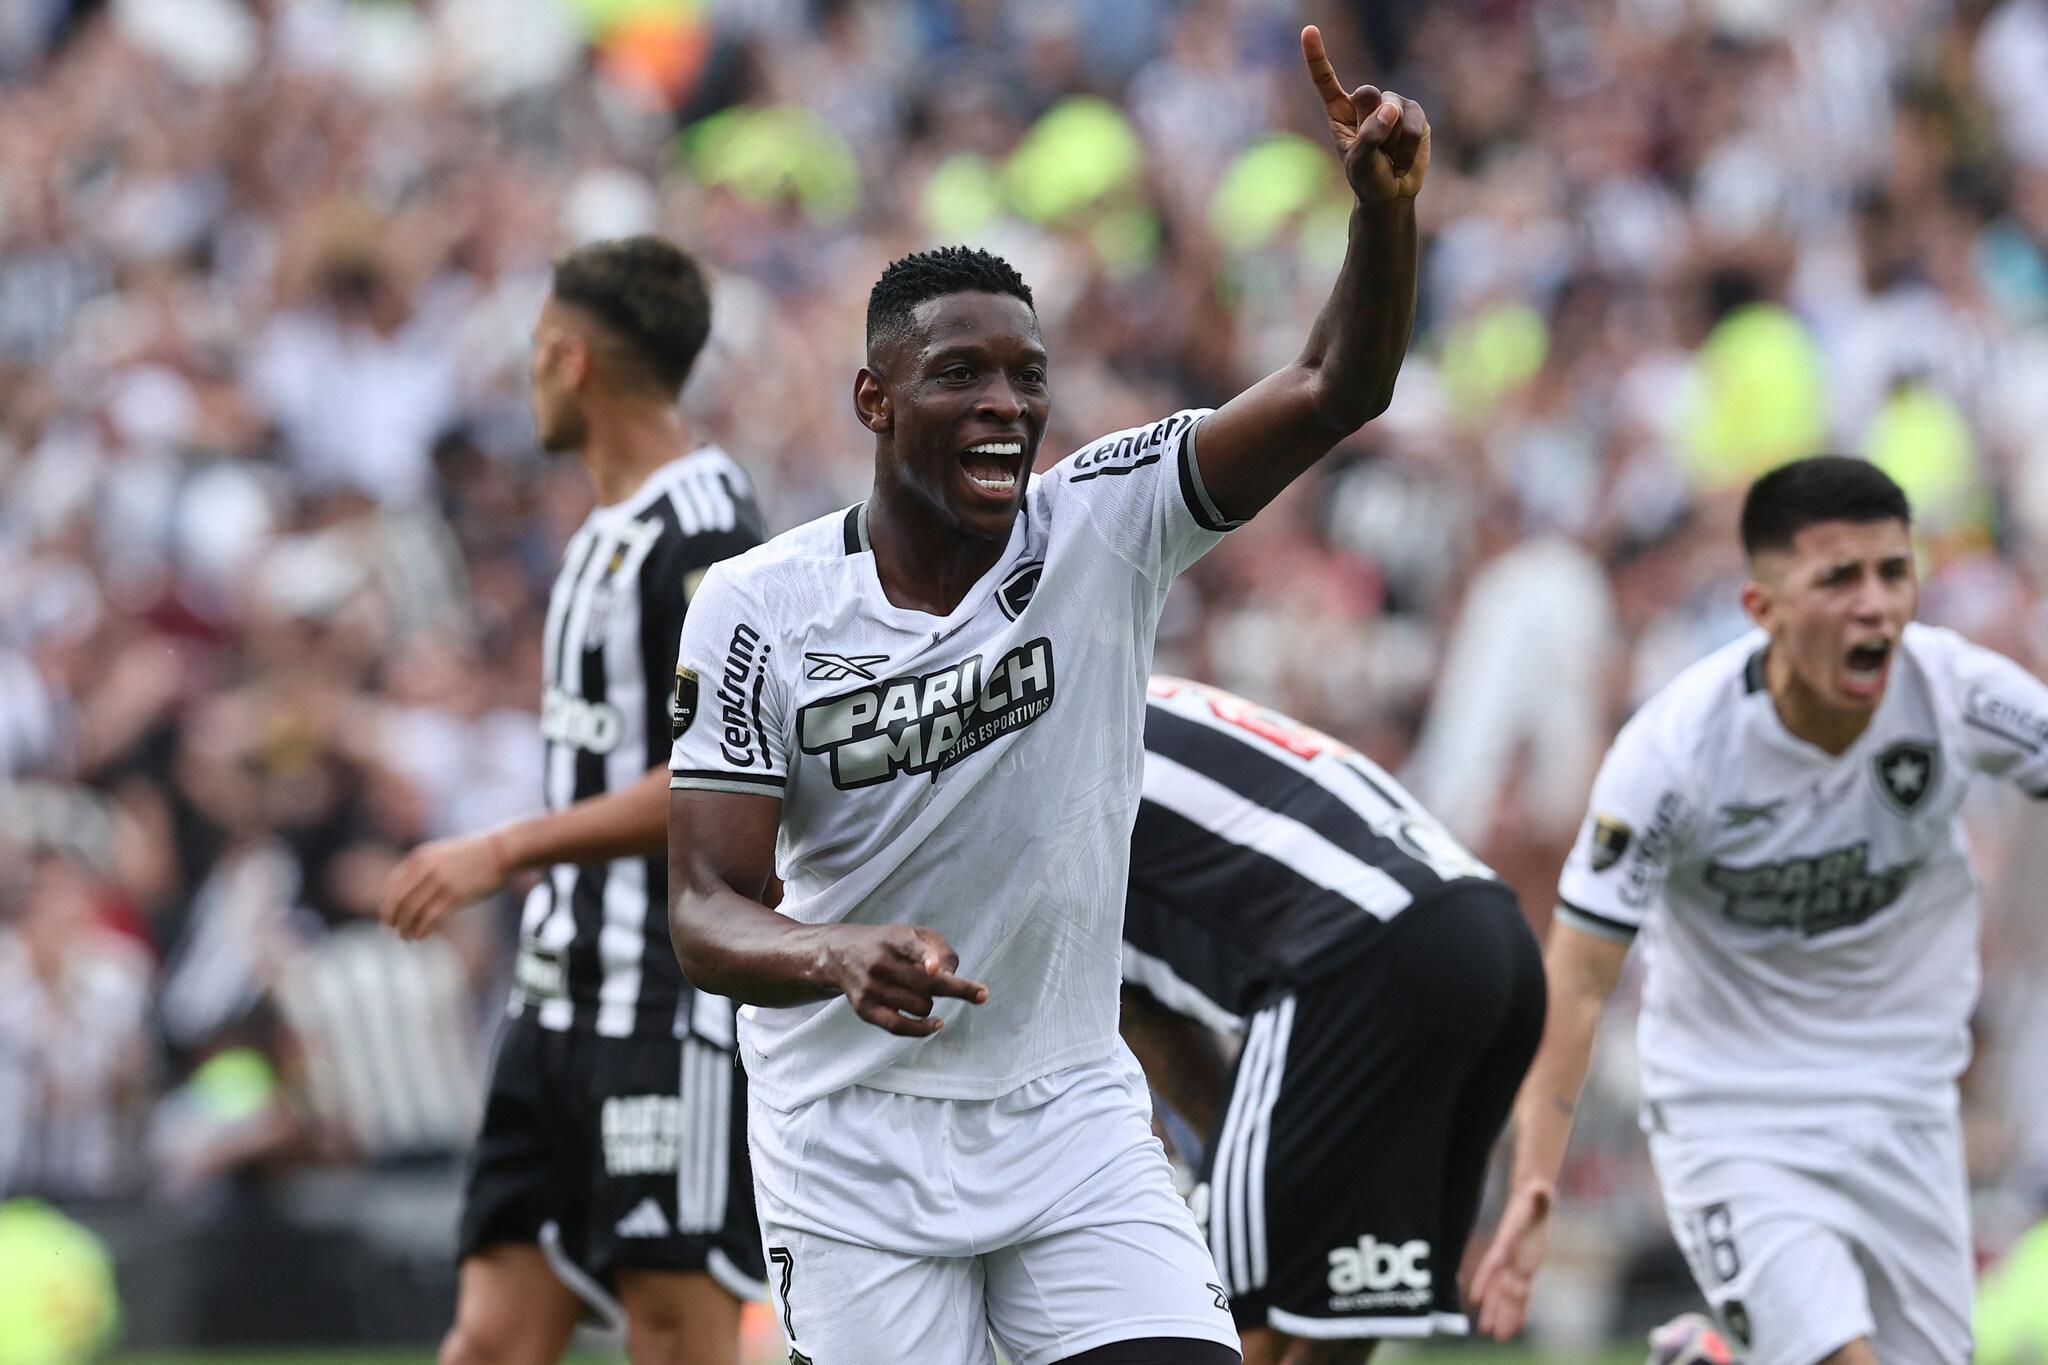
(594, 949)
(1264, 853)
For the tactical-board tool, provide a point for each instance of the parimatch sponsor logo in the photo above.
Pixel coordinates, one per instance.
(1828, 891)
(642, 1134)
(928, 722)
(1380, 1275)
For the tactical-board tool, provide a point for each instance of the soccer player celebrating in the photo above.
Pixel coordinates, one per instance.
(925, 713)
(1783, 826)
(1389, 996)
(612, 1164)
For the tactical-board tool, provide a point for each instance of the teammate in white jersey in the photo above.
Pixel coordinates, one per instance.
(1782, 825)
(926, 713)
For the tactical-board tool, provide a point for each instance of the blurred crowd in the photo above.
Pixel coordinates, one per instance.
(275, 539)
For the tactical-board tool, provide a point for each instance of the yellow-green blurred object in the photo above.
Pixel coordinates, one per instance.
(1921, 440)
(1268, 186)
(1081, 152)
(599, 17)
(1761, 400)
(1492, 354)
(233, 1084)
(1126, 240)
(765, 154)
(963, 195)
(2012, 1305)
(57, 1299)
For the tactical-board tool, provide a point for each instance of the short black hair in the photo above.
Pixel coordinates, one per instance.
(1795, 496)
(648, 293)
(925, 275)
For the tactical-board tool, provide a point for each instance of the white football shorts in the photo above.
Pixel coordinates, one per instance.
(1806, 1239)
(1043, 1223)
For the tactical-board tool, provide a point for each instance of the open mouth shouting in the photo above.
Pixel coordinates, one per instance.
(1865, 665)
(994, 468)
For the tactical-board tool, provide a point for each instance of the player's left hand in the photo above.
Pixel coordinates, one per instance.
(1383, 138)
(438, 878)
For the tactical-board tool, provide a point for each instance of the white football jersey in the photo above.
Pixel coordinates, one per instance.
(1809, 921)
(975, 773)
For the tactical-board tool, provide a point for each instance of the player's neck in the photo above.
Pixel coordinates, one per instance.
(923, 564)
(629, 441)
(1829, 729)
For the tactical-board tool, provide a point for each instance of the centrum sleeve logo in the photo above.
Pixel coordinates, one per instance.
(743, 740)
(1131, 451)
(928, 722)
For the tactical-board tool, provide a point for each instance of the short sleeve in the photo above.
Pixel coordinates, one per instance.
(2005, 717)
(1144, 494)
(1637, 818)
(726, 712)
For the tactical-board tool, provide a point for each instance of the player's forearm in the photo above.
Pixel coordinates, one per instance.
(1355, 349)
(736, 947)
(631, 822)
(1579, 982)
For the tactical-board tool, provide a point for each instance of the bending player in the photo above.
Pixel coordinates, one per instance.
(612, 1159)
(1389, 996)
(1782, 824)
(927, 711)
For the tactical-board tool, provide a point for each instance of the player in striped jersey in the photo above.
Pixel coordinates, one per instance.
(1389, 995)
(613, 1158)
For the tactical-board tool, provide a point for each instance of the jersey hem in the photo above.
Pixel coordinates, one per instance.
(1598, 925)
(791, 1098)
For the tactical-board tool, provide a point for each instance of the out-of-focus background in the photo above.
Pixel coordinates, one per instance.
(274, 535)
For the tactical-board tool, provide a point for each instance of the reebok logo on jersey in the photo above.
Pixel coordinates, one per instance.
(1376, 1274)
(645, 1220)
(928, 722)
(1906, 772)
(839, 667)
(744, 742)
(593, 725)
(1741, 815)
(1129, 452)
(1829, 891)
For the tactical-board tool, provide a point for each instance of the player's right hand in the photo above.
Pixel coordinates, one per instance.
(437, 878)
(1500, 1286)
(891, 973)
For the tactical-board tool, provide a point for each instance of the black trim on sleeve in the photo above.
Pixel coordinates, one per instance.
(1600, 923)
(1201, 507)
(720, 775)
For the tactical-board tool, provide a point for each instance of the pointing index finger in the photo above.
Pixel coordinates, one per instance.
(1335, 101)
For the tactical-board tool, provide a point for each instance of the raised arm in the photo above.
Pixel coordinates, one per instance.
(720, 865)
(1265, 438)
(1580, 970)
